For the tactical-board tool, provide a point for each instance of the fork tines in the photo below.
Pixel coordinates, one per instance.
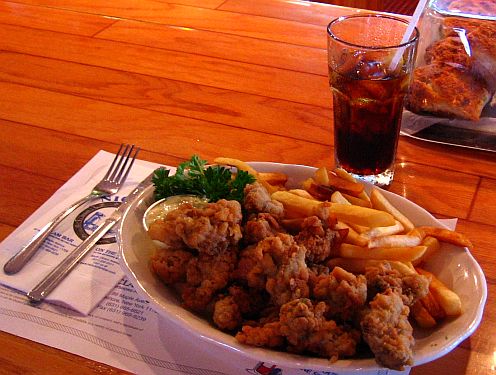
(122, 158)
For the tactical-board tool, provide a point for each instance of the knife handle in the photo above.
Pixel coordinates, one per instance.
(21, 258)
(48, 284)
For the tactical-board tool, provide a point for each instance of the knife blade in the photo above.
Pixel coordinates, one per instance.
(48, 284)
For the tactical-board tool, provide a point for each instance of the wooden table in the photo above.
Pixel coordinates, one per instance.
(245, 79)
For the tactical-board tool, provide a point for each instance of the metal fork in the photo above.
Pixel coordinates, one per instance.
(110, 184)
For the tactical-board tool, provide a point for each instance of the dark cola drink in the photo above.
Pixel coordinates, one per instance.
(368, 104)
(370, 59)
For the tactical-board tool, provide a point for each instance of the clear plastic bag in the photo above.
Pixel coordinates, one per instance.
(455, 74)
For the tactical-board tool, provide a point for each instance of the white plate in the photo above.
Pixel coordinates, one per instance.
(455, 266)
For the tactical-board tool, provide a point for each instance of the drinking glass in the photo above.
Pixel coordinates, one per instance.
(369, 73)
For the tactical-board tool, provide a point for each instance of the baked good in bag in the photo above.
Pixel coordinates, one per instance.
(460, 76)
(450, 51)
(446, 91)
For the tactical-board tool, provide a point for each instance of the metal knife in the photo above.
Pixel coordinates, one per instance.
(48, 284)
(462, 137)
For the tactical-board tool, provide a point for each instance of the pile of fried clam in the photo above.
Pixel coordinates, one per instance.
(325, 270)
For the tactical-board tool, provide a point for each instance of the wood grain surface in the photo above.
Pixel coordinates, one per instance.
(237, 78)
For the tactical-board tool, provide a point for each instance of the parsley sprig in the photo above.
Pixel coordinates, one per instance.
(194, 177)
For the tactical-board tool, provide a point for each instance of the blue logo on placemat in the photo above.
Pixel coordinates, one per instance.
(88, 220)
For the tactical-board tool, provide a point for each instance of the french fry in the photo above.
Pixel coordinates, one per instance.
(325, 192)
(433, 306)
(413, 238)
(363, 195)
(446, 235)
(363, 216)
(298, 206)
(395, 240)
(346, 176)
(380, 202)
(405, 268)
(302, 193)
(383, 231)
(243, 166)
(432, 244)
(357, 201)
(359, 228)
(448, 300)
(402, 254)
(321, 176)
(353, 237)
(337, 197)
(345, 186)
(331, 180)
(410, 266)
(422, 316)
(274, 178)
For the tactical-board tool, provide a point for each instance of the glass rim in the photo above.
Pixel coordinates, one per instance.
(412, 40)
